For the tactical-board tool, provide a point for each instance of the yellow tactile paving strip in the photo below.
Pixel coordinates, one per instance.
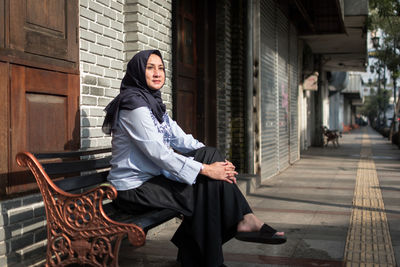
(368, 238)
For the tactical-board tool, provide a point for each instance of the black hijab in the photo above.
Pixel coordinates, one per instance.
(134, 92)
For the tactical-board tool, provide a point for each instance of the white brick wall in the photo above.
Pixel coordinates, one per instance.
(148, 25)
(111, 32)
(101, 64)
(22, 230)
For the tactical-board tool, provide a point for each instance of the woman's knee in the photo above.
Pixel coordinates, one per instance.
(209, 149)
(209, 155)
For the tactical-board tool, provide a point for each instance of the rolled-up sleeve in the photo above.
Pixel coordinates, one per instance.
(139, 125)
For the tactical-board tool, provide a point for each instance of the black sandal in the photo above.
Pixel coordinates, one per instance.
(266, 235)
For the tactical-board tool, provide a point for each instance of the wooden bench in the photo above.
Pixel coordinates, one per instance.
(331, 136)
(83, 225)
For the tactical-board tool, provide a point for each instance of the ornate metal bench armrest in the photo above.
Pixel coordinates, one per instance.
(77, 226)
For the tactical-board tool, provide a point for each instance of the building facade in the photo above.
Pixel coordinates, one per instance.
(236, 75)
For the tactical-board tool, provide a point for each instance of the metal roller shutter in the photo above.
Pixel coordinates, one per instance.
(269, 104)
(283, 89)
(294, 91)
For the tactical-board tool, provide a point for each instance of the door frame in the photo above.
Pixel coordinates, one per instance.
(205, 18)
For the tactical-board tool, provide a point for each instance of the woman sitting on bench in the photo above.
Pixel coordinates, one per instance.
(197, 182)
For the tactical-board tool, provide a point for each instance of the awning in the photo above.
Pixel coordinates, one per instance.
(353, 89)
(343, 51)
(338, 81)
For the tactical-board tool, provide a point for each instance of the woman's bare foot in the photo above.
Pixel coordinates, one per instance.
(251, 223)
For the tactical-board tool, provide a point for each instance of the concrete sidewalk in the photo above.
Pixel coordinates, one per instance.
(336, 205)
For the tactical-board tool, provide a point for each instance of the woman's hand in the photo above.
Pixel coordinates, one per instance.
(224, 171)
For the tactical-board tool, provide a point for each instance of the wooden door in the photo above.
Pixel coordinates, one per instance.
(44, 32)
(2, 23)
(44, 116)
(40, 49)
(186, 84)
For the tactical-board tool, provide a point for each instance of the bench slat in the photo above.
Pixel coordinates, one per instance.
(72, 154)
(155, 218)
(76, 166)
(146, 220)
(77, 182)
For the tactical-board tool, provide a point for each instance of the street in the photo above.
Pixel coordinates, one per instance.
(336, 205)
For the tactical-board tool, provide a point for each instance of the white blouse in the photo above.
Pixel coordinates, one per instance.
(143, 148)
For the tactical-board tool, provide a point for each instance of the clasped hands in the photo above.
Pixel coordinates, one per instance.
(224, 171)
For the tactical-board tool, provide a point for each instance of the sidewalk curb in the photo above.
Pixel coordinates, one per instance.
(248, 183)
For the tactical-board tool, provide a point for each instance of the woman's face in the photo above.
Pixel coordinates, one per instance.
(155, 74)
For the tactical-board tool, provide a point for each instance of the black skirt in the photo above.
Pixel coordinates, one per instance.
(212, 210)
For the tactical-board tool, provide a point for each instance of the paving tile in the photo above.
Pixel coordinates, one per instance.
(312, 201)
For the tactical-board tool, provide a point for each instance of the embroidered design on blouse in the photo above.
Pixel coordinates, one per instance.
(163, 128)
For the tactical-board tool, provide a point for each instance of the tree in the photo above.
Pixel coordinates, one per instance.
(373, 106)
(385, 18)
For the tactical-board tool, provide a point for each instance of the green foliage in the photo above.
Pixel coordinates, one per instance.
(385, 8)
(384, 19)
(389, 58)
(369, 108)
(384, 15)
(374, 104)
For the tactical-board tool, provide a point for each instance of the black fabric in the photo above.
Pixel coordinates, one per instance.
(212, 211)
(134, 92)
(158, 192)
(219, 207)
